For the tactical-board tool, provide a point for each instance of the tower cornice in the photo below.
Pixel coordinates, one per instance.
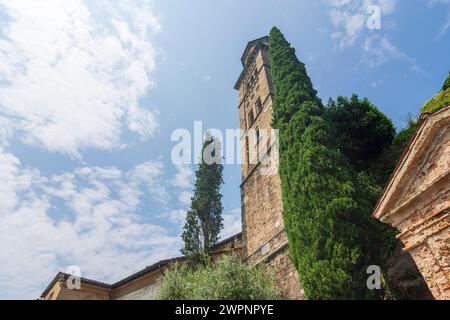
(251, 50)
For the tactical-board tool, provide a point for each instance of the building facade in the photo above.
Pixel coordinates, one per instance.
(417, 201)
(141, 285)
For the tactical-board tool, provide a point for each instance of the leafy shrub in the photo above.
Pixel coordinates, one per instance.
(440, 100)
(446, 83)
(226, 279)
(385, 164)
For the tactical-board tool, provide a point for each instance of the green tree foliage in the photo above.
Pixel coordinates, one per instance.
(446, 83)
(227, 279)
(385, 163)
(367, 138)
(440, 100)
(326, 206)
(204, 220)
(401, 141)
(360, 130)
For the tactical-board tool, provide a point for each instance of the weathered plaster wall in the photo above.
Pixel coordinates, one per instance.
(417, 202)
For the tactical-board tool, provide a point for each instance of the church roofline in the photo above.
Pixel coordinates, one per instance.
(64, 276)
(163, 263)
(379, 210)
(244, 55)
(146, 270)
(249, 45)
(393, 174)
(229, 239)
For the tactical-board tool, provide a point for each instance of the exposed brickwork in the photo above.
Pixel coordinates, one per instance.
(262, 219)
(405, 278)
(260, 254)
(287, 275)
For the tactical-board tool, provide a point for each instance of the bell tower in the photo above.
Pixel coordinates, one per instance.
(263, 230)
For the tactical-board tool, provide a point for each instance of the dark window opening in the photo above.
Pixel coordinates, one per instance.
(247, 152)
(258, 106)
(251, 118)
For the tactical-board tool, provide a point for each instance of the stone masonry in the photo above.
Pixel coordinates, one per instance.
(417, 201)
(264, 237)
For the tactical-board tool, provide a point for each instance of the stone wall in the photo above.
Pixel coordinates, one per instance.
(262, 217)
(143, 287)
(264, 237)
(287, 276)
(88, 290)
(404, 277)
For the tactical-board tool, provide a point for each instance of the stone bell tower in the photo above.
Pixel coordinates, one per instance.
(264, 235)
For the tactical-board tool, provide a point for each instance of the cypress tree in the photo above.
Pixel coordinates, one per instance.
(326, 208)
(204, 220)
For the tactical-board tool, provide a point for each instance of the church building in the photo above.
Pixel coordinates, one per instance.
(416, 200)
(262, 240)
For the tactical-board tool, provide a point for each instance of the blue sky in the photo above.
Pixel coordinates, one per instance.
(91, 91)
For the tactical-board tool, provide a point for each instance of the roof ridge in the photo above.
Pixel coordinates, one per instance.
(133, 276)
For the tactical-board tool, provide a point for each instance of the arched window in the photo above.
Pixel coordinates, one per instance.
(247, 152)
(251, 118)
(258, 106)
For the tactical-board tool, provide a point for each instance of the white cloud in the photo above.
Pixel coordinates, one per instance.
(379, 50)
(350, 17)
(183, 181)
(446, 25)
(185, 198)
(177, 216)
(97, 227)
(232, 223)
(73, 78)
(444, 28)
(150, 174)
(377, 83)
(184, 176)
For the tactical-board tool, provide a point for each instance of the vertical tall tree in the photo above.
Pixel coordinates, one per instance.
(204, 220)
(332, 237)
